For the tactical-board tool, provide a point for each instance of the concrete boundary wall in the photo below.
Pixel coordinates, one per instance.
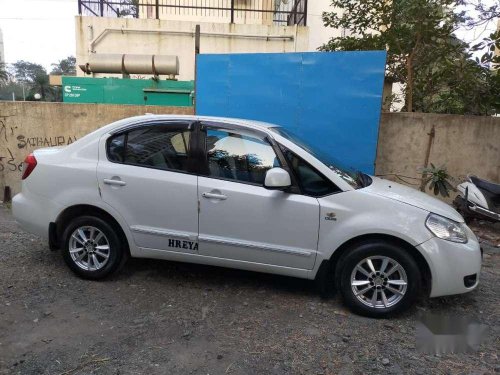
(25, 126)
(465, 144)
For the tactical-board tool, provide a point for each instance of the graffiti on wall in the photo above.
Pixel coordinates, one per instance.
(14, 140)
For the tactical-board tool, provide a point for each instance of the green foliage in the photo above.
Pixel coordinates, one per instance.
(128, 8)
(11, 87)
(438, 180)
(34, 79)
(27, 72)
(433, 66)
(487, 13)
(4, 75)
(459, 86)
(65, 67)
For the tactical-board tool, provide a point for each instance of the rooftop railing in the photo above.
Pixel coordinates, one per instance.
(277, 12)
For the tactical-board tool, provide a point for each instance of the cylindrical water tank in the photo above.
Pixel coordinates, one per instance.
(132, 64)
(164, 64)
(138, 64)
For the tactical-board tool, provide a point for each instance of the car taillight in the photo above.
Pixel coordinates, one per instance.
(28, 165)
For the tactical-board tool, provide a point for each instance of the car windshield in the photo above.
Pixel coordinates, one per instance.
(353, 177)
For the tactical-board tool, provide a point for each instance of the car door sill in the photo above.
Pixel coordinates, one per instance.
(145, 252)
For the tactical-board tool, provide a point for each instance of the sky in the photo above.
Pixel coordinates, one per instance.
(43, 31)
(40, 31)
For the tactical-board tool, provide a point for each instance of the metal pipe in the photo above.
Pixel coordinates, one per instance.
(197, 34)
(305, 12)
(295, 40)
(431, 135)
(232, 11)
(94, 42)
(196, 53)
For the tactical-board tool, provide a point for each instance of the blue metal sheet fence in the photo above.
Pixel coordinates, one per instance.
(332, 100)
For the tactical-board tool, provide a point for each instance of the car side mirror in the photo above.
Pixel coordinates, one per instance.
(277, 179)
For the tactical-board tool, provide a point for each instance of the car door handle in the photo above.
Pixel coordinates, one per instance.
(109, 181)
(221, 197)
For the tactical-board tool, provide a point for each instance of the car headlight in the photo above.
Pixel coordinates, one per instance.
(446, 229)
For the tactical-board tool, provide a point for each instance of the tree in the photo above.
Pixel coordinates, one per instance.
(433, 66)
(35, 78)
(128, 8)
(9, 89)
(65, 67)
(460, 86)
(485, 15)
(4, 75)
(25, 71)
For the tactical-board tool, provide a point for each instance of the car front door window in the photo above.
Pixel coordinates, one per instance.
(238, 156)
(310, 180)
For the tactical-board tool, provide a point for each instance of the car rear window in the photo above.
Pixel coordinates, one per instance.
(158, 147)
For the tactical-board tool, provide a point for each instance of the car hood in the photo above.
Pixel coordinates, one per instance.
(413, 197)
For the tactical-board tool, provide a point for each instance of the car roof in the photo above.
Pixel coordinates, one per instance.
(226, 120)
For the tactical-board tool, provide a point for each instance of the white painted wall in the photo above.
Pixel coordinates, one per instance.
(141, 36)
(318, 33)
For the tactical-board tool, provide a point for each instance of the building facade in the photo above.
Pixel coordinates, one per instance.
(167, 27)
(2, 50)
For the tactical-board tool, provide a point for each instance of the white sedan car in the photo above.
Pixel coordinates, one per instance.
(247, 195)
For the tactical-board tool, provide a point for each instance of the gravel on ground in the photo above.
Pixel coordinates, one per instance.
(159, 317)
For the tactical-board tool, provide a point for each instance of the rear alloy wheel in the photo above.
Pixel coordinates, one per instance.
(92, 248)
(378, 279)
(89, 248)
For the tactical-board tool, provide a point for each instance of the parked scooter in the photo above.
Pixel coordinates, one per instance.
(478, 198)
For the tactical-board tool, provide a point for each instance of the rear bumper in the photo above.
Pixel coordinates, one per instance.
(34, 213)
(455, 267)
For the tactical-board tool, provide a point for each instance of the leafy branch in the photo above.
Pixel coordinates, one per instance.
(435, 68)
(438, 180)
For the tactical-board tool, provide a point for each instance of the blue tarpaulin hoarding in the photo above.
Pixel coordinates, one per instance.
(330, 99)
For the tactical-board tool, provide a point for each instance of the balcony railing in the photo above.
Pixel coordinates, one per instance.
(277, 12)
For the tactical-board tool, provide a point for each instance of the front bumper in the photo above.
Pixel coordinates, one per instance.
(452, 264)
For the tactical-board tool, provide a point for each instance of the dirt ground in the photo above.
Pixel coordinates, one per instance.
(160, 317)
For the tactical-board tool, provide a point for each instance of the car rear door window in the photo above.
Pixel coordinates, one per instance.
(157, 146)
(239, 156)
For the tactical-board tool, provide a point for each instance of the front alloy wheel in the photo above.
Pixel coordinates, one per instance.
(379, 282)
(378, 278)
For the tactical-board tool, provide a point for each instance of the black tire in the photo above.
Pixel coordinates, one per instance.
(461, 206)
(118, 251)
(353, 256)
